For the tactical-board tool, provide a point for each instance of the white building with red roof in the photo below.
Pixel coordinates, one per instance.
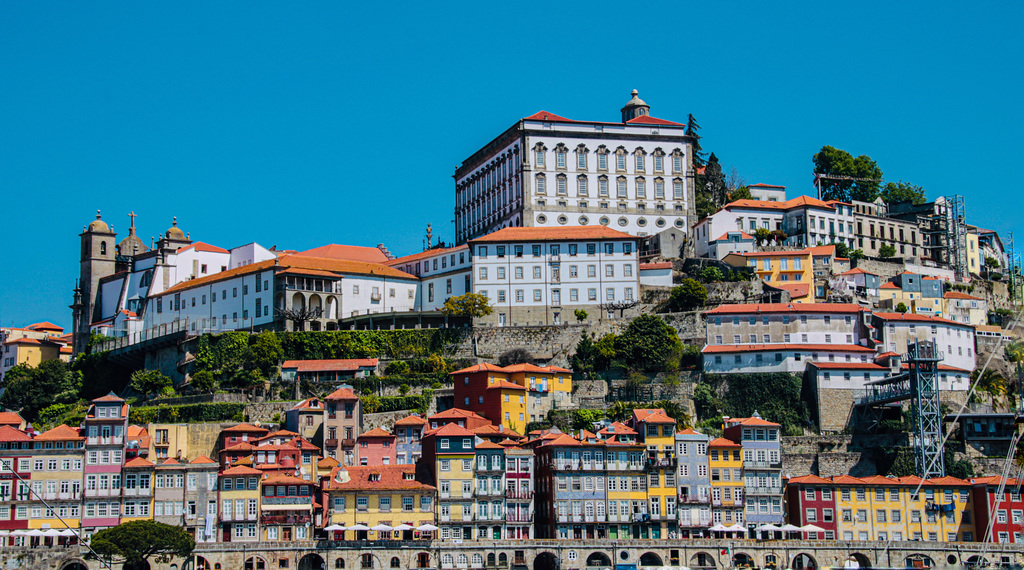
(541, 275)
(550, 171)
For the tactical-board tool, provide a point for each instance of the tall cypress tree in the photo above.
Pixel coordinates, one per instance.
(692, 129)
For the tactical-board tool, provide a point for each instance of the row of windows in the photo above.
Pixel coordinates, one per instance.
(383, 503)
(556, 295)
(603, 187)
(786, 338)
(640, 161)
(609, 271)
(537, 250)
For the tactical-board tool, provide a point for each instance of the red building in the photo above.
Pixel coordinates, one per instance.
(1007, 519)
(237, 441)
(16, 455)
(377, 447)
(811, 500)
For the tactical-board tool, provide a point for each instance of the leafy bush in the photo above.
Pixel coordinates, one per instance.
(711, 274)
(397, 368)
(187, 413)
(688, 295)
(776, 396)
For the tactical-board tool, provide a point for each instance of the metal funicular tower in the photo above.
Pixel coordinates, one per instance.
(919, 385)
(956, 236)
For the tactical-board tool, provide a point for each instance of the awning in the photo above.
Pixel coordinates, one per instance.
(303, 508)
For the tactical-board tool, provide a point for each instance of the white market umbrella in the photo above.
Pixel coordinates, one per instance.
(358, 527)
(68, 532)
(767, 527)
(5, 532)
(789, 528)
(404, 527)
(427, 528)
(381, 528)
(51, 532)
(19, 532)
(334, 527)
(812, 528)
(34, 532)
(719, 528)
(737, 528)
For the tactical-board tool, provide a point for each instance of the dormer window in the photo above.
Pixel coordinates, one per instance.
(375, 477)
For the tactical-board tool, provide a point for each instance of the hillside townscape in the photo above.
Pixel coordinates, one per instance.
(626, 357)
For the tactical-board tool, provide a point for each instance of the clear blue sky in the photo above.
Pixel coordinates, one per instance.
(303, 124)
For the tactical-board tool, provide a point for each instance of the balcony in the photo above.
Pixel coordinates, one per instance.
(137, 492)
(687, 500)
(762, 465)
(285, 519)
(348, 443)
(519, 517)
(663, 463)
(518, 494)
(331, 442)
(488, 493)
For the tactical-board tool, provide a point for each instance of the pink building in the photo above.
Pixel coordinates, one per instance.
(377, 447)
(105, 426)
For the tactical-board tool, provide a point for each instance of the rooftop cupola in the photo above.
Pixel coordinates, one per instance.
(635, 108)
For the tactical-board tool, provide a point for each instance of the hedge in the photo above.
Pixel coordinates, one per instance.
(188, 413)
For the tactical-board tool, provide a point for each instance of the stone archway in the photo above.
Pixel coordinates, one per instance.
(545, 561)
(742, 559)
(74, 565)
(702, 560)
(650, 559)
(423, 560)
(862, 560)
(976, 561)
(312, 561)
(197, 562)
(804, 561)
(256, 563)
(599, 559)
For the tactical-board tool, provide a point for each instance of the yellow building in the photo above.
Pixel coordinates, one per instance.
(378, 495)
(789, 270)
(180, 441)
(239, 504)
(886, 508)
(624, 462)
(725, 465)
(541, 389)
(450, 452)
(138, 490)
(657, 432)
(975, 259)
(57, 478)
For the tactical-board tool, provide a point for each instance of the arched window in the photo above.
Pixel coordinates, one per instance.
(366, 560)
(478, 560)
(502, 559)
(447, 561)
(339, 563)
(490, 559)
(103, 248)
(395, 562)
(463, 561)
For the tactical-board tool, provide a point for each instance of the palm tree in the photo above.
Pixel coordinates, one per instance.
(991, 382)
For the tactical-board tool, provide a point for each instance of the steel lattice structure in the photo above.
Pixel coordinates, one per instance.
(956, 236)
(923, 360)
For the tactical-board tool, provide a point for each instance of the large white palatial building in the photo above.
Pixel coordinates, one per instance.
(549, 171)
(540, 276)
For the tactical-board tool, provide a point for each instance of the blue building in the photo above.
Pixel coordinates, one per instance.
(762, 468)
(409, 431)
(694, 484)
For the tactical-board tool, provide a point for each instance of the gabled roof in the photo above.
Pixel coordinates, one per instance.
(809, 480)
(725, 236)
(438, 251)
(455, 413)
(482, 367)
(722, 442)
(170, 462)
(451, 430)
(889, 285)
(307, 404)
(201, 460)
(139, 462)
(858, 271)
(327, 463)
(914, 317)
(545, 116)
(688, 431)
(655, 265)
(651, 416)
(334, 365)
(799, 201)
(60, 433)
(753, 422)
(759, 308)
(347, 252)
(562, 439)
(45, 326)
(287, 480)
(491, 429)
(342, 394)
(111, 397)
(617, 428)
(552, 234)
(200, 246)
(959, 295)
(796, 290)
(486, 444)
(505, 385)
(649, 120)
(11, 418)
(8, 433)
(376, 432)
(244, 427)
(411, 420)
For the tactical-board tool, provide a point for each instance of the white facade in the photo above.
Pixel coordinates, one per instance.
(547, 171)
(443, 273)
(541, 275)
(656, 274)
(791, 358)
(954, 340)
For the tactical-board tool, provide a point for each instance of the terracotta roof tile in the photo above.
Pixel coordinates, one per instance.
(451, 430)
(342, 394)
(505, 385)
(139, 462)
(61, 433)
(240, 470)
(11, 418)
(847, 366)
(425, 254)
(553, 234)
(336, 365)
(347, 252)
(455, 413)
(8, 433)
(483, 367)
(959, 295)
(759, 308)
(244, 427)
(200, 246)
(653, 266)
(376, 432)
(730, 348)
(390, 477)
(545, 116)
(202, 459)
(649, 120)
(722, 442)
(914, 317)
(411, 420)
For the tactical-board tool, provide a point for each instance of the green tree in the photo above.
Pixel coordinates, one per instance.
(777, 236)
(901, 307)
(992, 383)
(265, 353)
(30, 389)
(886, 251)
(704, 206)
(693, 131)
(835, 162)
(397, 368)
(581, 315)
(712, 181)
(606, 353)
(706, 401)
(204, 382)
(149, 382)
(137, 541)
(741, 193)
(896, 192)
(687, 296)
(842, 250)
(646, 342)
(711, 275)
(467, 305)
(585, 357)
(856, 254)
(762, 235)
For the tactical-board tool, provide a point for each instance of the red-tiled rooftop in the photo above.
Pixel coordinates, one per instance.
(553, 234)
(411, 420)
(390, 477)
(758, 308)
(722, 442)
(914, 317)
(244, 427)
(201, 246)
(335, 365)
(376, 432)
(61, 433)
(342, 394)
